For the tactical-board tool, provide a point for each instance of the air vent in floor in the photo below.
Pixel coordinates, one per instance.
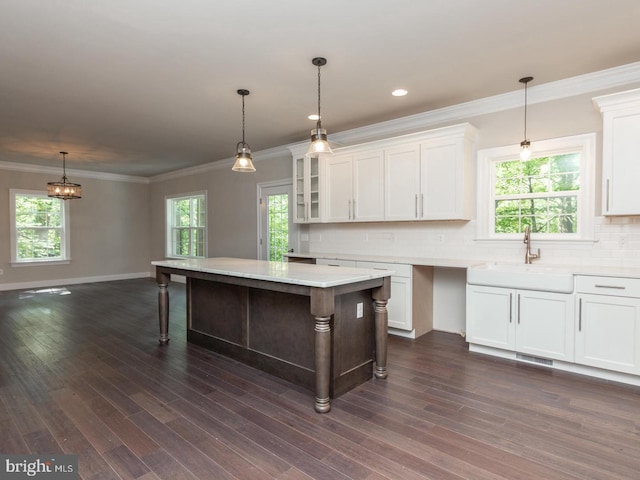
(537, 360)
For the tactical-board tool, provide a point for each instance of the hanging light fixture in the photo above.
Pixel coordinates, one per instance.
(64, 189)
(319, 145)
(525, 145)
(243, 156)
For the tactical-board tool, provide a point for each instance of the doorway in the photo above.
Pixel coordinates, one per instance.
(277, 233)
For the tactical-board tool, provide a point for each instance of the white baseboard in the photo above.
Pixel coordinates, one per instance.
(73, 281)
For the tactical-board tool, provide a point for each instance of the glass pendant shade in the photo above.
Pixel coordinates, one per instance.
(525, 152)
(64, 189)
(319, 145)
(243, 159)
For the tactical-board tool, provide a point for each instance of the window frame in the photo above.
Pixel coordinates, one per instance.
(169, 223)
(65, 231)
(488, 158)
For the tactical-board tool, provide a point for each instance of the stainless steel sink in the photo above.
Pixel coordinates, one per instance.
(524, 276)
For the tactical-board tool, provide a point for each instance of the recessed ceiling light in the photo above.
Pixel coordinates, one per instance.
(399, 92)
(313, 116)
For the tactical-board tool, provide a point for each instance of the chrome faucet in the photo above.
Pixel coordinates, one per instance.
(528, 256)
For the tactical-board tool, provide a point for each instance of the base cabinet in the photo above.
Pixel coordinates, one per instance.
(410, 308)
(608, 330)
(533, 323)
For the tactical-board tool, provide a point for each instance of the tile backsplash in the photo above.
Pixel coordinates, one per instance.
(616, 242)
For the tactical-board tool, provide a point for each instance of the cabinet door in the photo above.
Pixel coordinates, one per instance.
(402, 182)
(306, 190)
(620, 166)
(399, 305)
(544, 325)
(368, 187)
(608, 332)
(441, 179)
(338, 189)
(490, 316)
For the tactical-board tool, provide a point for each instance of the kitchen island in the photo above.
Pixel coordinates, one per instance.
(315, 326)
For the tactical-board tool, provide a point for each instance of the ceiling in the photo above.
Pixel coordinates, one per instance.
(149, 86)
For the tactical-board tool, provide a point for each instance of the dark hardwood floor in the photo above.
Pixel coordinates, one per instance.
(81, 372)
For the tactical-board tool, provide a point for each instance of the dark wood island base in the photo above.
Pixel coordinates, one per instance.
(323, 339)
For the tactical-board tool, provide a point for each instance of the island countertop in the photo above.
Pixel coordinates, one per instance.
(320, 276)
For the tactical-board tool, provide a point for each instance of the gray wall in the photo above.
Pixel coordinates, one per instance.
(232, 206)
(109, 230)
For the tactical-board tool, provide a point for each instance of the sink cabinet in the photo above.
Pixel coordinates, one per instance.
(608, 323)
(530, 322)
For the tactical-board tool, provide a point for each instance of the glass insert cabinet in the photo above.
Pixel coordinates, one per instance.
(307, 189)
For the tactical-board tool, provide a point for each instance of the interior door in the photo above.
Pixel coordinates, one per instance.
(277, 233)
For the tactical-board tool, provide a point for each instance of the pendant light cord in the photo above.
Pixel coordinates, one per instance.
(525, 110)
(319, 124)
(243, 142)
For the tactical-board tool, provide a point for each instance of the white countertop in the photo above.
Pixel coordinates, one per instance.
(592, 270)
(320, 276)
(432, 262)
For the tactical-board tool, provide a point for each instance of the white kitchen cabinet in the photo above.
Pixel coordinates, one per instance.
(608, 323)
(620, 165)
(307, 189)
(431, 179)
(534, 323)
(333, 262)
(355, 187)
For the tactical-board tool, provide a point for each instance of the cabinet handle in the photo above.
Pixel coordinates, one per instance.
(349, 209)
(416, 205)
(607, 196)
(617, 287)
(306, 210)
(580, 315)
(422, 205)
(510, 307)
(354, 208)
(518, 309)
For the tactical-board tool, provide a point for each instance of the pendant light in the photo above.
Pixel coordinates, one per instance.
(525, 145)
(64, 189)
(243, 156)
(319, 145)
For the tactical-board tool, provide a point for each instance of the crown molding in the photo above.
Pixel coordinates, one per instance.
(569, 87)
(257, 157)
(41, 169)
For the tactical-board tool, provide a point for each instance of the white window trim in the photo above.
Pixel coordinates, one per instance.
(487, 158)
(66, 232)
(168, 222)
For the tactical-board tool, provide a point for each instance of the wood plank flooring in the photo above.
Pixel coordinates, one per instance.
(81, 372)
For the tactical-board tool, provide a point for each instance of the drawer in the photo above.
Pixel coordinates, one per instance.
(615, 286)
(332, 262)
(400, 269)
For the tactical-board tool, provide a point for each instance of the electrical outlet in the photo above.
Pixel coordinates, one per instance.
(359, 310)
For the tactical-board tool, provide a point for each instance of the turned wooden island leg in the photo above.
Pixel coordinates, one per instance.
(163, 306)
(380, 298)
(322, 306)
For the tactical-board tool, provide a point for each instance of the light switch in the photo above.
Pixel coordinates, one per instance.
(359, 310)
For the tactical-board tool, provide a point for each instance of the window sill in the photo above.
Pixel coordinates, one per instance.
(40, 263)
(534, 240)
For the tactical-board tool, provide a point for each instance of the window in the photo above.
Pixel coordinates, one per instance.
(278, 227)
(552, 192)
(187, 226)
(39, 228)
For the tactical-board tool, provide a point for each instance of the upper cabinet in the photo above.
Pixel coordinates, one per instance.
(306, 189)
(421, 176)
(432, 179)
(354, 187)
(620, 165)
